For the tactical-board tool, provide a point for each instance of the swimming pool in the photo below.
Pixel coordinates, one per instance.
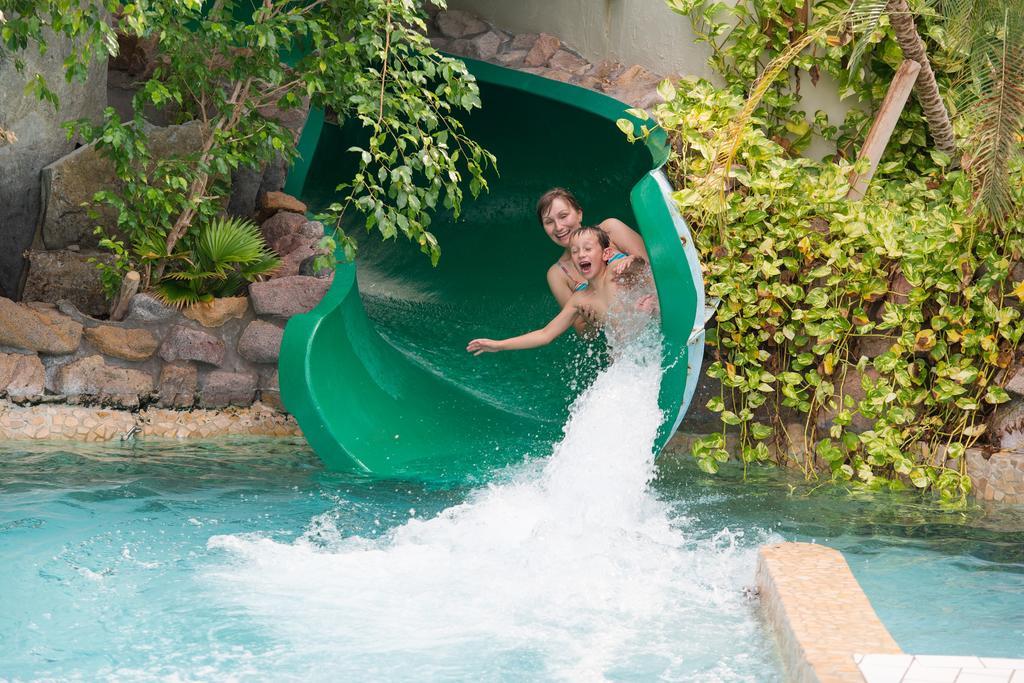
(246, 559)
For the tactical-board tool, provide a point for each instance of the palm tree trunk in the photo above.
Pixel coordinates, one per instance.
(902, 20)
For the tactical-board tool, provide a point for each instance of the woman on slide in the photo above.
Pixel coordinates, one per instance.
(559, 214)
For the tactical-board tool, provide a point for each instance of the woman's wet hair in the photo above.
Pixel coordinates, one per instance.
(602, 237)
(548, 198)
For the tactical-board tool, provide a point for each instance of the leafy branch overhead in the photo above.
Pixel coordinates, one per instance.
(235, 71)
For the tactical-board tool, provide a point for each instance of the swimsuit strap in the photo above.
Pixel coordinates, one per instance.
(617, 256)
(577, 285)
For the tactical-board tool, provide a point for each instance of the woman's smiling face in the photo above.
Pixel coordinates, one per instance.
(560, 220)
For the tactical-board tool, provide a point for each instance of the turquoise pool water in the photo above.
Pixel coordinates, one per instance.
(108, 571)
(245, 560)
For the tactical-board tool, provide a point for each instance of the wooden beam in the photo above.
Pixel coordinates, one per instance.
(129, 286)
(881, 130)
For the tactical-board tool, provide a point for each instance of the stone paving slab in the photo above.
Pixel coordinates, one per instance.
(878, 668)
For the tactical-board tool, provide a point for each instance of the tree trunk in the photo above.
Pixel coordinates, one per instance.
(902, 20)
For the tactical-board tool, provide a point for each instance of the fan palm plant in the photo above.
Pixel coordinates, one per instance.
(221, 259)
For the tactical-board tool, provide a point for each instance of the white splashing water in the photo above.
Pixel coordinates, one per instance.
(566, 569)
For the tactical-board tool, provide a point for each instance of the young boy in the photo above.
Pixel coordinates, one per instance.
(590, 250)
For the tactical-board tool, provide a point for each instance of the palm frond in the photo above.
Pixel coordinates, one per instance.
(177, 294)
(996, 116)
(864, 18)
(230, 241)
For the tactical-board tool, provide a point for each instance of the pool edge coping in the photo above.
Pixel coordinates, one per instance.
(819, 613)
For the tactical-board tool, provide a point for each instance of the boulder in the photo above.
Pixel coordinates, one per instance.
(260, 342)
(458, 24)
(852, 386)
(40, 140)
(218, 311)
(185, 343)
(291, 263)
(1015, 383)
(287, 296)
(1007, 425)
(70, 183)
(21, 375)
(146, 308)
(523, 41)
(511, 58)
(221, 388)
(43, 331)
(67, 274)
(544, 48)
(272, 202)
(279, 226)
(90, 379)
(486, 45)
(563, 60)
(177, 385)
(127, 343)
(636, 86)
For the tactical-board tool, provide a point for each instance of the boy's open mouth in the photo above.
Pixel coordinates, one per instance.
(585, 266)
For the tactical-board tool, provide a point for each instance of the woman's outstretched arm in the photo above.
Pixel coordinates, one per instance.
(625, 238)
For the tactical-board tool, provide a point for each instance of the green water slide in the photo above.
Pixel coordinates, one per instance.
(377, 374)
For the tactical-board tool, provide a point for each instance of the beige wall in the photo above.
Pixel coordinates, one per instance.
(630, 31)
(644, 32)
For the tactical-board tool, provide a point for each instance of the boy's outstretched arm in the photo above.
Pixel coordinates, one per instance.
(531, 340)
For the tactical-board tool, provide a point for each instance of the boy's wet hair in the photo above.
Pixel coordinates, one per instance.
(602, 237)
(634, 273)
(548, 198)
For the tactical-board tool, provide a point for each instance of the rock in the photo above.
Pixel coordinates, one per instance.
(486, 45)
(279, 226)
(458, 24)
(544, 48)
(556, 75)
(146, 308)
(222, 388)
(874, 345)
(218, 311)
(56, 275)
(606, 70)
(313, 230)
(177, 385)
(853, 387)
(899, 289)
(260, 342)
(272, 202)
(43, 331)
(1015, 384)
(308, 267)
(511, 58)
(287, 296)
(636, 86)
(291, 263)
(1007, 425)
(70, 183)
(127, 343)
(523, 41)
(270, 390)
(21, 375)
(185, 343)
(41, 140)
(91, 379)
(563, 60)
